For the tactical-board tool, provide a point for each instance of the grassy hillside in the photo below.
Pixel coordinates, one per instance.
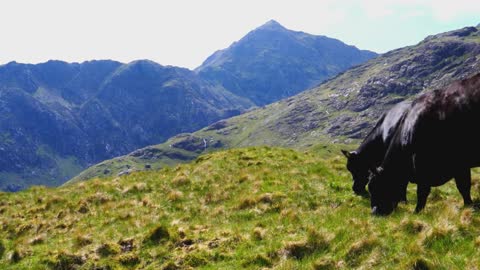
(247, 208)
(343, 109)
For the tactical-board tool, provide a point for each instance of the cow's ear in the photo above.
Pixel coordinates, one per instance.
(346, 153)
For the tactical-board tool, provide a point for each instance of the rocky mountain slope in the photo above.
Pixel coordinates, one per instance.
(56, 118)
(250, 208)
(340, 110)
(272, 62)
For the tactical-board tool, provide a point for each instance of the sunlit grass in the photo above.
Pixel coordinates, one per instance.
(244, 208)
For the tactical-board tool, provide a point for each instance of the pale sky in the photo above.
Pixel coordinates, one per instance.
(185, 32)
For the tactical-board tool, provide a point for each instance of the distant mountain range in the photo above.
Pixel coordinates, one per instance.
(272, 62)
(58, 118)
(342, 109)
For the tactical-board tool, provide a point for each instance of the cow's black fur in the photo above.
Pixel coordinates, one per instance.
(439, 139)
(369, 155)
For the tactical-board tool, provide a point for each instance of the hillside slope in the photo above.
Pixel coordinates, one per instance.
(342, 109)
(272, 62)
(238, 209)
(57, 118)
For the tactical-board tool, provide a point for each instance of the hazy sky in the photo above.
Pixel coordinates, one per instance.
(185, 32)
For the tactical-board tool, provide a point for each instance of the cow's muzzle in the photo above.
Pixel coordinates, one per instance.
(382, 211)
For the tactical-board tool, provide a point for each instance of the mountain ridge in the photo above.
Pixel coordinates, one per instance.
(59, 117)
(77, 114)
(267, 63)
(341, 110)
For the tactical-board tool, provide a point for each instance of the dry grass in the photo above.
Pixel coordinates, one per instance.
(248, 208)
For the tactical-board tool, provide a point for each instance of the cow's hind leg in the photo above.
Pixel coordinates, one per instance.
(463, 180)
(422, 194)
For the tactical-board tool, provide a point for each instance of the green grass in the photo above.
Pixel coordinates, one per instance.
(65, 168)
(248, 208)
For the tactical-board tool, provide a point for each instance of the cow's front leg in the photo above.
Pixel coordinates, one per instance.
(403, 192)
(422, 194)
(463, 180)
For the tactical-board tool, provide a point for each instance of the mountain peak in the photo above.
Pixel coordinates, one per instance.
(143, 62)
(272, 25)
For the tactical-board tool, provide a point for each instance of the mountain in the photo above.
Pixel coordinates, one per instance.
(342, 109)
(57, 118)
(272, 62)
(250, 208)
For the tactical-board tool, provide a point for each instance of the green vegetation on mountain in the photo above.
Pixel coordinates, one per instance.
(58, 118)
(342, 109)
(272, 62)
(247, 208)
(348, 105)
(83, 113)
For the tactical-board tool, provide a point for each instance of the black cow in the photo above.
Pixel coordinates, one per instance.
(438, 139)
(369, 155)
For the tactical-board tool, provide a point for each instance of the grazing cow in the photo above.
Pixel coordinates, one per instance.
(438, 140)
(369, 155)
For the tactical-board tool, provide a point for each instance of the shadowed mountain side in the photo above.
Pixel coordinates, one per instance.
(272, 62)
(97, 110)
(342, 109)
(58, 118)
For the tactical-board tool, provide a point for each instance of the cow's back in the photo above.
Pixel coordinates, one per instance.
(442, 126)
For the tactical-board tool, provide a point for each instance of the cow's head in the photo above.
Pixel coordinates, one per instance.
(359, 170)
(383, 196)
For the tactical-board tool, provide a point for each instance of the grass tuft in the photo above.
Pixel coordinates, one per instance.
(40, 239)
(63, 261)
(23, 228)
(315, 242)
(196, 259)
(83, 207)
(129, 259)
(259, 260)
(324, 264)
(413, 226)
(15, 256)
(158, 234)
(175, 195)
(259, 233)
(421, 264)
(83, 240)
(359, 250)
(107, 249)
(440, 237)
(170, 266)
(287, 210)
(180, 180)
